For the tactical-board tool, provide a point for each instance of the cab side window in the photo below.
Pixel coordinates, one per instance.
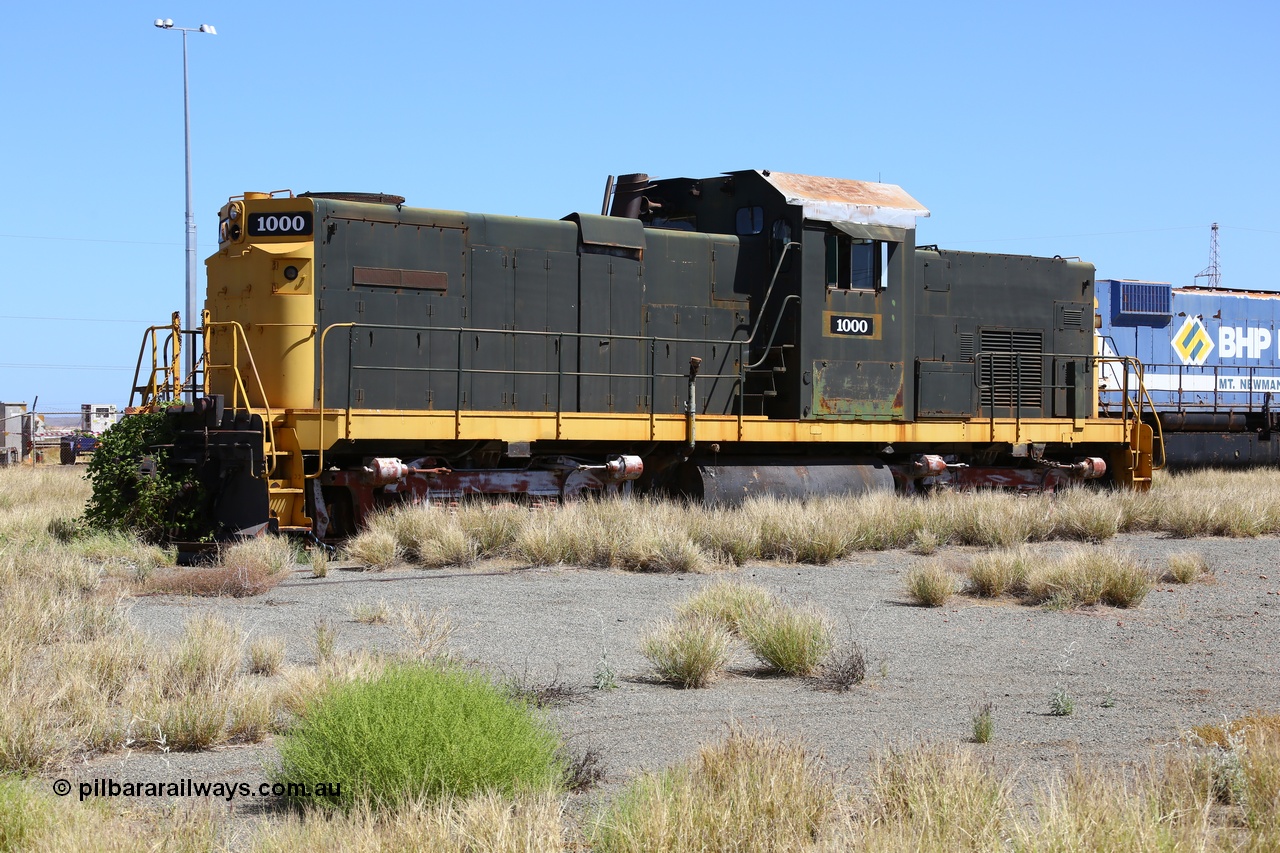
(856, 264)
(750, 221)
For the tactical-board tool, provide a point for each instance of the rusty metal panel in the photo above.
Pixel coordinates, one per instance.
(400, 278)
(841, 200)
(864, 389)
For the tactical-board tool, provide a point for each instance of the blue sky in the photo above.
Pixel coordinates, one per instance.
(1113, 131)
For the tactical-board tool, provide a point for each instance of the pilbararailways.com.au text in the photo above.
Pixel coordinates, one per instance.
(192, 788)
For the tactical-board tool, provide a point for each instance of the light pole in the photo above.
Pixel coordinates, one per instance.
(192, 311)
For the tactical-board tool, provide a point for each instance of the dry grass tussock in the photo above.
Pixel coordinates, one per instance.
(797, 641)
(789, 640)
(1161, 806)
(642, 536)
(425, 633)
(266, 655)
(32, 819)
(1188, 567)
(72, 695)
(30, 498)
(731, 603)
(371, 612)
(492, 526)
(533, 822)
(246, 568)
(376, 546)
(690, 652)
(1086, 576)
(793, 531)
(1075, 577)
(931, 798)
(664, 535)
(1208, 503)
(78, 679)
(1000, 572)
(1254, 726)
(756, 792)
(430, 537)
(749, 792)
(931, 583)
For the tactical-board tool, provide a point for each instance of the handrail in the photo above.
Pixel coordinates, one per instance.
(459, 370)
(237, 336)
(1131, 412)
(173, 382)
(1129, 403)
(1214, 374)
(782, 309)
(324, 334)
(1159, 430)
(769, 290)
(153, 390)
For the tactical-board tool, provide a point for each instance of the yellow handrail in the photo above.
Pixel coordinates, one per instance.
(1135, 406)
(153, 390)
(238, 334)
(320, 442)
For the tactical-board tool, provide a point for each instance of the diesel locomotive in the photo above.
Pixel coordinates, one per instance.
(1212, 367)
(712, 338)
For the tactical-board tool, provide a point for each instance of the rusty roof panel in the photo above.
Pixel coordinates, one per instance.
(840, 200)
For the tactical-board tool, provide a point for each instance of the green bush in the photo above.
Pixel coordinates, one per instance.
(417, 732)
(156, 507)
(25, 816)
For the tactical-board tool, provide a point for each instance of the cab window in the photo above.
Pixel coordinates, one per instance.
(750, 221)
(856, 264)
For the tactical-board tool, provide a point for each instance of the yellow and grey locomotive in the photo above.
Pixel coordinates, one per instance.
(752, 332)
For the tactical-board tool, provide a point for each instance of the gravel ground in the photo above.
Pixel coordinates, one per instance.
(1188, 655)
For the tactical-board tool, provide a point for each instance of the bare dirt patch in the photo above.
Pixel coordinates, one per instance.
(1190, 655)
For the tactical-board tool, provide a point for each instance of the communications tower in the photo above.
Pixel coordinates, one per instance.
(1212, 272)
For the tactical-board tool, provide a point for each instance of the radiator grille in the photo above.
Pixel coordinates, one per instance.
(1012, 369)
